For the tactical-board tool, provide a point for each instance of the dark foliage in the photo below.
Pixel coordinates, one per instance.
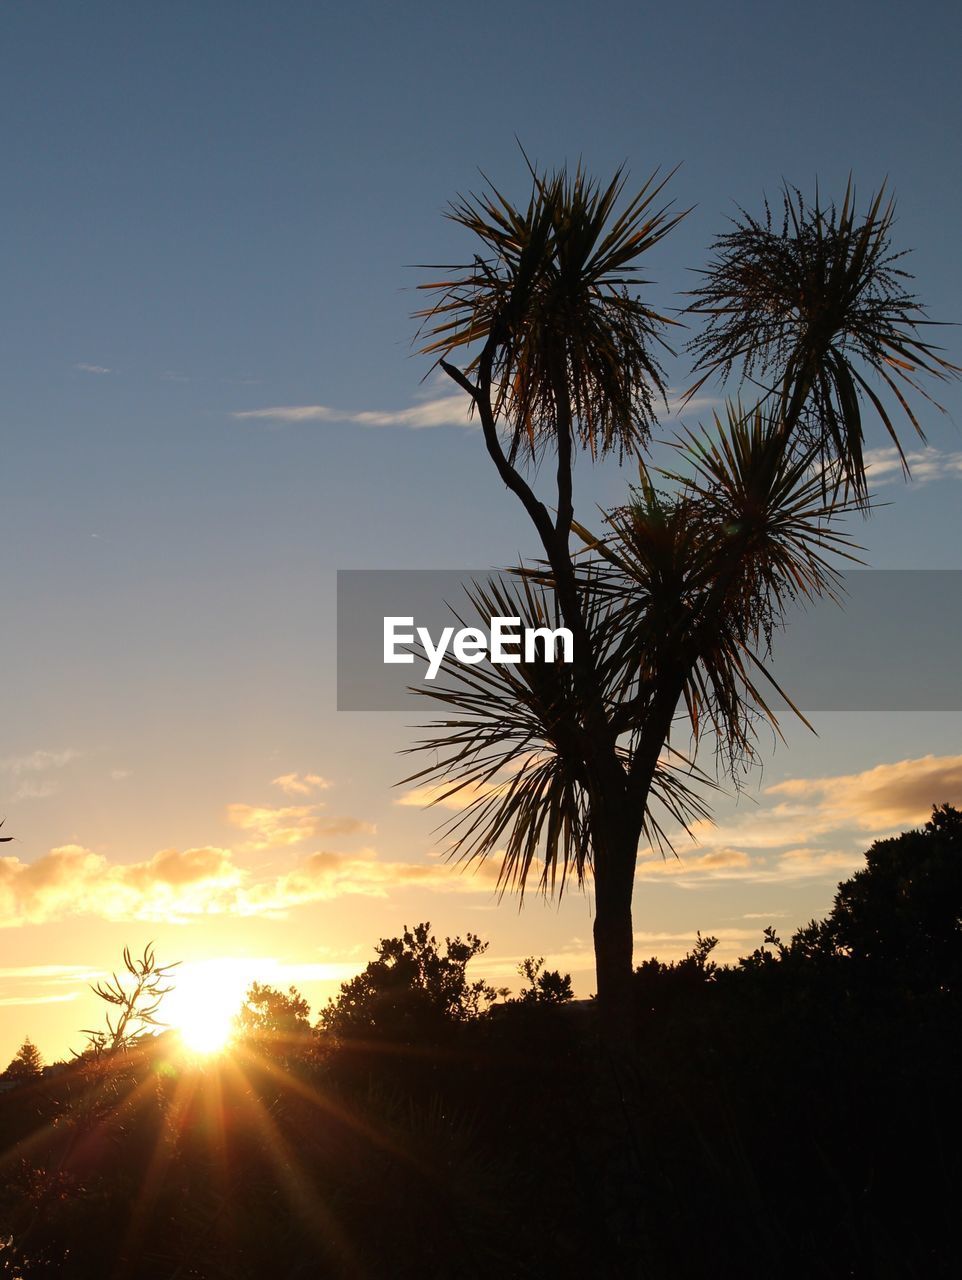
(276, 1022)
(545, 986)
(411, 991)
(794, 1115)
(27, 1063)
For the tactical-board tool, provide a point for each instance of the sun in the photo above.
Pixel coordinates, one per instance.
(203, 1030)
(203, 1005)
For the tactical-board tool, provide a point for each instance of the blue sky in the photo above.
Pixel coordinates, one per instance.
(212, 210)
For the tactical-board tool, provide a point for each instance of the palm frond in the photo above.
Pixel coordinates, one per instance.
(550, 294)
(816, 311)
(512, 747)
(699, 577)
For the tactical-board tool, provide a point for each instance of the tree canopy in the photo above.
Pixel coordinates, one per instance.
(26, 1064)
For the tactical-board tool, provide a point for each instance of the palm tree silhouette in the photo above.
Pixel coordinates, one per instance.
(564, 769)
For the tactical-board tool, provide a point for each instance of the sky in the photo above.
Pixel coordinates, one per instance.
(212, 402)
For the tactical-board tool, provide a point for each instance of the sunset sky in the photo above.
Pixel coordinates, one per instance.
(211, 403)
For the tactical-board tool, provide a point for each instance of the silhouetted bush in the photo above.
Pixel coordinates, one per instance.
(795, 1114)
(412, 991)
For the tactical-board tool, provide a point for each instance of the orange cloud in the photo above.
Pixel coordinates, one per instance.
(436, 795)
(797, 863)
(178, 886)
(321, 876)
(715, 862)
(270, 827)
(72, 880)
(879, 799)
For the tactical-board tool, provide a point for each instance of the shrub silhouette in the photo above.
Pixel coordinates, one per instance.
(275, 1022)
(413, 990)
(545, 986)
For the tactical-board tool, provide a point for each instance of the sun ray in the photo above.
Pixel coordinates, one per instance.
(316, 1216)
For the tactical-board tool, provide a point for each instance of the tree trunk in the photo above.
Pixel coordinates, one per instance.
(615, 854)
(616, 1096)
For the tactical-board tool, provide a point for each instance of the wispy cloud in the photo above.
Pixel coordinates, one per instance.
(440, 411)
(92, 368)
(687, 872)
(300, 784)
(38, 761)
(47, 972)
(715, 862)
(270, 828)
(443, 411)
(321, 876)
(440, 794)
(12, 1001)
(28, 775)
(31, 984)
(884, 466)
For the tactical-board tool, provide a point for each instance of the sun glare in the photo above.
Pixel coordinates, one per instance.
(203, 1005)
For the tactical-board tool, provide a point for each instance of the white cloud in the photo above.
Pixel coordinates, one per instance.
(884, 466)
(34, 789)
(771, 868)
(439, 411)
(92, 368)
(444, 411)
(798, 837)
